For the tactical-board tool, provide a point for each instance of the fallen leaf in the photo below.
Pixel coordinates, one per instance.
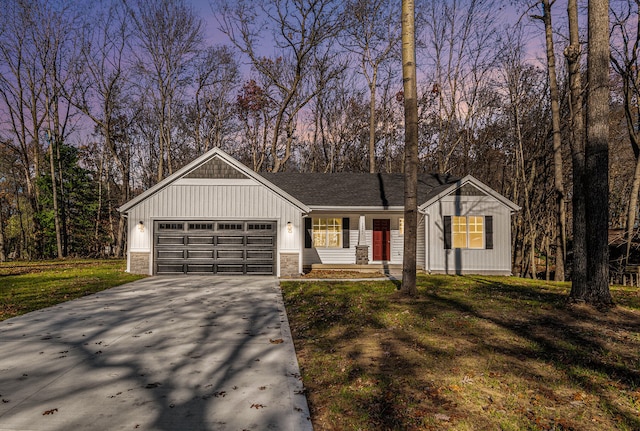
(442, 417)
(220, 394)
(49, 412)
(257, 406)
(276, 341)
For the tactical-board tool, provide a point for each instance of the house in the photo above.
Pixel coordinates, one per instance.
(216, 216)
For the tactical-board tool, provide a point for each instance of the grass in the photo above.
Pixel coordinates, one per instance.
(29, 286)
(470, 353)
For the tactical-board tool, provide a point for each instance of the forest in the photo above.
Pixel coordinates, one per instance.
(102, 99)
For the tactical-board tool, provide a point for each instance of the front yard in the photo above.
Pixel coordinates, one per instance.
(470, 353)
(29, 286)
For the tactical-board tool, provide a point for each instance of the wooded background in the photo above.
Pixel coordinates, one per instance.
(101, 100)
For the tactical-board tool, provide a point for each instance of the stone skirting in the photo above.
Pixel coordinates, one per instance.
(139, 263)
(362, 254)
(289, 264)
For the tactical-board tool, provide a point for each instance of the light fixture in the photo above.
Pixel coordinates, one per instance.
(141, 226)
(289, 227)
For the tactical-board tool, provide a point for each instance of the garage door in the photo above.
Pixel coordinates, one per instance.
(215, 247)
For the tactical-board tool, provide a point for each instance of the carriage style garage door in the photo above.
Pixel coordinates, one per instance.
(215, 247)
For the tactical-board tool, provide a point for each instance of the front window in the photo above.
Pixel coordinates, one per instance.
(327, 232)
(468, 232)
(401, 226)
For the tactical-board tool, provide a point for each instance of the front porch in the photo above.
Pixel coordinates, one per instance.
(382, 268)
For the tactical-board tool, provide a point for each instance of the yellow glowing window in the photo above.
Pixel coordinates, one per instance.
(327, 232)
(468, 232)
(401, 226)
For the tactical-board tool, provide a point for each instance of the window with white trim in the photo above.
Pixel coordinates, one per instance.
(327, 232)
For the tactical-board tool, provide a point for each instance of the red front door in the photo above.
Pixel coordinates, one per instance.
(381, 239)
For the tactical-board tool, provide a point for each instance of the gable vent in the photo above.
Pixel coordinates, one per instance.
(216, 169)
(469, 190)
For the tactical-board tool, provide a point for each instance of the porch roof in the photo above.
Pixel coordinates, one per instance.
(355, 189)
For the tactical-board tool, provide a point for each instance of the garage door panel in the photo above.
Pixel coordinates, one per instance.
(266, 241)
(215, 247)
(200, 254)
(170, 254)
(170, 240)
(169, 268)
(230, 240)
(230, 269)
(259, 269)
(260, 255)
(197, 240)
(230, 254)
(199, 268)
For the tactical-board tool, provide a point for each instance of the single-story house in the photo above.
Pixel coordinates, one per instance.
(216, 216)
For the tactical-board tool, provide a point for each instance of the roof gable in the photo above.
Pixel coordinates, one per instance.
(468, 186)
(214, 164)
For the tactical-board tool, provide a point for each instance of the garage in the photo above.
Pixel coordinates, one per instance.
(230, 247)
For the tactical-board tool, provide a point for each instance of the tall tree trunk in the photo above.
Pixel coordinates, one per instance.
(54, 188)
(597, 155)
(633, 208)
(372, 122)
(3, 256)
(572, 54)
(410, 148)
(560, 239)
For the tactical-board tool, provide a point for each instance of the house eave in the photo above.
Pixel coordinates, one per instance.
(355, 209)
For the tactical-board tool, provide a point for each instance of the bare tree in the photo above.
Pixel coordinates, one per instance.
(560, 240)
(372, 33)
(625, 45)
(597, 155)
(102, 86)
(576, 135)
(169, 35)
(411, 148)
(461, 44)
(216, 76)
(302, 32)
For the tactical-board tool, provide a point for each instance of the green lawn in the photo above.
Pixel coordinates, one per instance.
(29, 286)
(470, 353)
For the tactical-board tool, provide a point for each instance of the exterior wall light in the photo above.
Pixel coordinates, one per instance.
(289, 227)
(141, 226)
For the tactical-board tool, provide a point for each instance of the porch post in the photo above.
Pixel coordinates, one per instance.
(362, 249)
(362, 233)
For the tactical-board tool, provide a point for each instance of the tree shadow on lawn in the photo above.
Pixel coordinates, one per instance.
(389, 376)
(591, 348)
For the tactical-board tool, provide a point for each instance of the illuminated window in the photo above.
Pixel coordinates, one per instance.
(327, 232)
(401, 226)
(468, 232)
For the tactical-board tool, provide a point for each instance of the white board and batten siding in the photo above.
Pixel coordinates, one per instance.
(476, 261)
(215, 200)
(348, 255)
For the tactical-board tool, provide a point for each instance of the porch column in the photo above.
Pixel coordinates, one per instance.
(362, 233)
(362, 249)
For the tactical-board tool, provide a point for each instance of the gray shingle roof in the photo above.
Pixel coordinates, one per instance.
(355, 189)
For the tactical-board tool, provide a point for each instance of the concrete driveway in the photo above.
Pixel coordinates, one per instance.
(178, 353)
